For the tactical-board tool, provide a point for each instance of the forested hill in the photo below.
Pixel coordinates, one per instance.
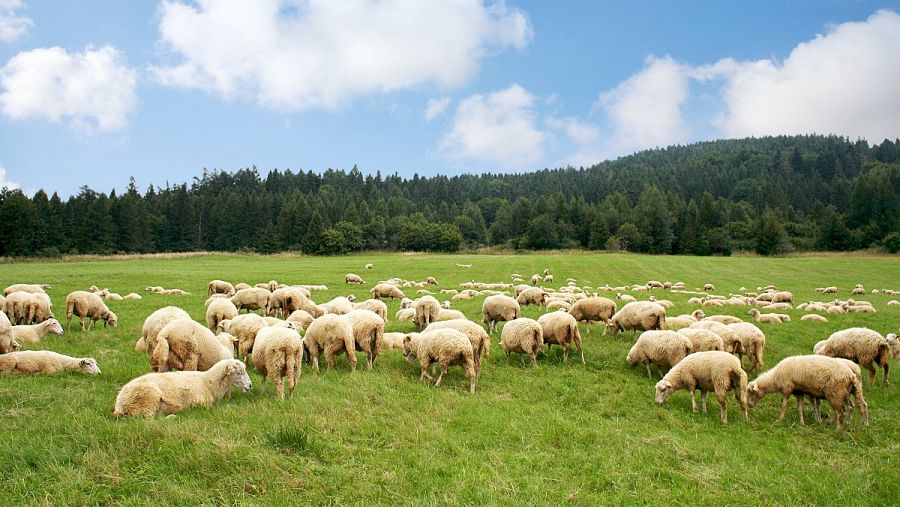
(771, 195)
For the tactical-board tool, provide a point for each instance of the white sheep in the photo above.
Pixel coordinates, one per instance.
(172, 392)
(637, 316)
(661, 348)
(445, 314)
(394, 341)
(593, 309)
(36, 332)
(533, 296)
(85, 304)
(28, 307)
(499, 308)
(46, 362)
(523, 336)
(219, 310)
(220, 287)
(813, 318)
(724, 319)
(301, 317)
(427, 310)
(732, 341)
(32, 288)
(562, 329)
(278, 353)
(373, 305)
(330, 335)
(535, 279)
(286, 300)
(481, 342)
(446, 347)
(354, 279)
(154, 323)
(187, 345)
(861, 345)
(753, 343)
(703, 340)
(387, 290)
(368, 333)
(338, 306)
(7, 342)
(256, 298)
(707, 371)
(370, 266)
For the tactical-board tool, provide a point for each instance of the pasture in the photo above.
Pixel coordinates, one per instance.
(562, 433)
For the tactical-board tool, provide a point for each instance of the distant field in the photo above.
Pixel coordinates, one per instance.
(560, 433)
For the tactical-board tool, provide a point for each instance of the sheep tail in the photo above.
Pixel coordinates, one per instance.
(159, 358)
(739, 377)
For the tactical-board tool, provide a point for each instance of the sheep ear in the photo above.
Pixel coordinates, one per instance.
(85, 362)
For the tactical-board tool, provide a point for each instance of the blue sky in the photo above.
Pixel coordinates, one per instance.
(94, 92)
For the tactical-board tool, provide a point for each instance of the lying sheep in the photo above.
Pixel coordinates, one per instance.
(154, 323)
(84, 304)
(219, 287)
(132, 296)
(499, 308)
(186, 345)
(533, 296)
(661, 348)
(703, 340)
(173, 392)
(7, 342)
(861, 345)
(427, 310)
(406, 314)
(724, 319)
(387, 290)
(330, 335)
(637, 316)
(813, 318)
(46, 362)
(753, 343)
(278, 353)
(255, 298)
(174, 292)
(446, 347)
(368, 333)
(36, 332)
(714, 371)
(562, 329)
(431, 280)
(370, 266)
(219, 310)
(445, 314)
(523, 336)
(156, 289)
(815, 375)
(481, 342)
(593, 309)
(373, 305)
(354, 279)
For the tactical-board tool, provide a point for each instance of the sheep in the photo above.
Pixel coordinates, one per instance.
(709, 287)
(827, 290)
(481, 341)
(132, 296)
(561, 328)
(893, 302)
(286, 300)
(156, 289)
(368, 333)
(548, 278)
(373, 305)
(861, 345)
(173, 392)
(753, 343)
(387, 290)
(431, 280)
(46, 362)
(244, 328)
(764, 318)
(154, 323)
(625, 297)
(31, 288)
(2, 303)
(893, 345)
(187, 345)
(338, 306)
(241, 286)
(637, 316)
(7, 342)
(220, 287)
(370, 266)
(533, 296)
(406, 314)
(703, 340)
(84, 304)
(499, 308)
(464, 266)
(354, 279)
(443, 346)
(708, 371)
(330, 335)
(813, 318)
(731, 339)
(36, 332)
(660, 348)
(858, 290)
(535, 279)
(27, 307)
(814, 375)
(724, 319)
(255, 298)
(427, 310)
(559, 305)
(524, 336)
(593, 309)
(219, 310)
(278, 353)
(445, 314)
(394, 341)
(174, 292)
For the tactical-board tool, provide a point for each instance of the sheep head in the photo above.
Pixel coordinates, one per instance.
(236, 372)
(664, 389)
(754, 393)
(89, 366)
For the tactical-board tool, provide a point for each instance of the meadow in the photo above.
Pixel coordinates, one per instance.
(561, 433)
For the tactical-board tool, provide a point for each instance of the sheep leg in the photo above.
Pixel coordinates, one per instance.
(800, 408)
(694, 402)
(817, 415)
(784, 405)
(723, 406)
(838, 406)
(885, 368)
(315, 360)
(534, 359)
(871, 369)
(703, 395)
(441, 376)
(565, 352)
(648, 371)
(279, 385)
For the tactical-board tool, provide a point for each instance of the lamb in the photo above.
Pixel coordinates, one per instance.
(814, 375)
(220, 287)
(445, 314)
(481, 341)
(338, 306)
(427, 310)
(154, 323)
(84, 304)
(637, 316)
(251, 299)
(354, 279)
(593, 309)
(278, 353)
(662, 348)
(187, 345)
(373, 305)
(46, 362)
(36, 332)
(562, 329)
(368, 333)
(219, 310)
(499, 308)
(524, 336)
(533, 296)
(813, 318)
(387, 290)
(394, 341)
(703, 340)
(330, 335)
(173, 392)
(861, 345)
(7, 342)
(443, 346)
(708, 371)
(753, 343)
(732, 341)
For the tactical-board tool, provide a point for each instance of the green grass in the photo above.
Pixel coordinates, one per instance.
(562, 433)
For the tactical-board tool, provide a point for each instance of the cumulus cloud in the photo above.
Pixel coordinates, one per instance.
(93, 88)
(586, 138)
(4, 182)
(436, 107)
(497, 128)
(293, 54)
(13, 25)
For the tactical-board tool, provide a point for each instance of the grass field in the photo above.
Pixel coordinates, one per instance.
(560, 433)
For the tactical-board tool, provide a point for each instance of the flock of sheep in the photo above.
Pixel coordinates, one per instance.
(193, 364)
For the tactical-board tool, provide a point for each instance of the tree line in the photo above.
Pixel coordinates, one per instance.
(771, 195)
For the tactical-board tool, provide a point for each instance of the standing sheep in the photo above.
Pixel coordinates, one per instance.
(7, 342)
(220, 287)
(368, 333)
(481, 341)
(387, 290)
(354, 279)
(593, 309)
(301, 317)
(637, 316)
(85, 304)
(285, 301)
(373, 305)
(533, 296)
(36, 332)
(661, 348)
(732, 341)
(523, 336)
(708, 371)
(173, 392)
(562, 329)
(499, 308)
(860, 345)
(427, 310)
(753, 343)
(219, 310)
(46, 362)
(255, 298)
(446, 347)
(186, 345)
(25, 287)
(703, 340)
(330, 335)
(154, 323)
(244, 328)
(278, 353)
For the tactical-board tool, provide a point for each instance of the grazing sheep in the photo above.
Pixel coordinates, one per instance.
(36, 332)
(548, 278)
(481, 342)
(338, 306)
(861, 345)
(661, 348)
(753, 343)
(814, 375)
(446, 347)
(300, 317)
(286, 300)
(708, 371)
(32, 288)
(173, 392)
(827, 290)
(637, 316)
(7, 342)
(593, 309)
(220, 287)
(373, 305)
(535, 279)
(387, 290)
(368, 333)
(533, 296)
(85, 304)
(625, 297)
(499, 308)
(732, 341)
(241, 286)
(813, 318)
(330, 335)
(709, 287)
(27, 307)
(431, 280)
(219, 310)
(244, 328)
(278, 353)
(562, 329)
(255, 298)
(703, 340)
(724, 319)
(46, 362)
(427, 310)
(559, 305)
(683, 321)
(186, 345)
(354, 279)
(394, 341)
(523, 336)
(154, 323)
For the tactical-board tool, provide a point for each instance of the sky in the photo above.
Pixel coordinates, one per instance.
(94, 92)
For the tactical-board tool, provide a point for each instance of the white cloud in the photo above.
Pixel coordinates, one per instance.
(436, 107)
(4, 182)
(498, 128)
(92, 89)
(586, 138)
(297, 54)
(12, 25)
